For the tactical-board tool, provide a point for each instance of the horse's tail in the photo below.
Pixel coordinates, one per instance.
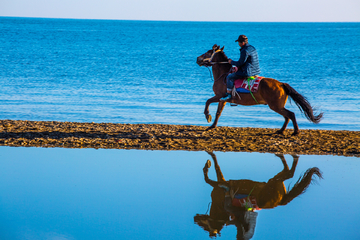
(302, 103)
(301, 185)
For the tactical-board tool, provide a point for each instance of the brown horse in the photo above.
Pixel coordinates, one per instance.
(270, 92)
(266, 194)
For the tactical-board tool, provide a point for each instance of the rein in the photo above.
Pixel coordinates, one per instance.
(209, 60)
(224, 74)
(212, 56)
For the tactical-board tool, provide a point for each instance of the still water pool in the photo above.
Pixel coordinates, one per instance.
(132, 194)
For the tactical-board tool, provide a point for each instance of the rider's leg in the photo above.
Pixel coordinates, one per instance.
(229, 86)
(230, 82)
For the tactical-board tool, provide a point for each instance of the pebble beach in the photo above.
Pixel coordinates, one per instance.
(18, 133)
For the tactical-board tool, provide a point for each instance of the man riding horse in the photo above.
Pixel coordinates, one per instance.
(268, 91)
(248, 65)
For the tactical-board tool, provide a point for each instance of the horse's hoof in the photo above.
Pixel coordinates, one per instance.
(209, 128)
(279, 132)
(295, 133)
(208, 118)
(208, 164)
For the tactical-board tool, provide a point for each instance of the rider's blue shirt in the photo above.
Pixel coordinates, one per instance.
(248, 64)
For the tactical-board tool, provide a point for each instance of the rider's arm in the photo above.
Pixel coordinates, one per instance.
(243, 57)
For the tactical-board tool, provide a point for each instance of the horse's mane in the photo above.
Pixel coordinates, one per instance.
(217, 47)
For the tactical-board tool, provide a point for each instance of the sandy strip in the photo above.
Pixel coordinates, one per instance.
(176, 137)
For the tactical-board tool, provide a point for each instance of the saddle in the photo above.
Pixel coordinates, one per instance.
(246, 201)
(245, 85)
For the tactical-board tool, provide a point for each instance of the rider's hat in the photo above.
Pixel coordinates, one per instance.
(241, 38)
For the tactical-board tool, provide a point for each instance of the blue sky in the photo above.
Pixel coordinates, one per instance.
(188, 10)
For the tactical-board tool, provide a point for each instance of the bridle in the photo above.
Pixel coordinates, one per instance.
(209, 60)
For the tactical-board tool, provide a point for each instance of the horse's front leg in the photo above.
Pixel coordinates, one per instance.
(221, 106)
(219, 175)
(206, 177)
(208, 102)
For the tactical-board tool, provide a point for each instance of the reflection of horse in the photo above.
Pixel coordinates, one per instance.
(270, 92)
(266, 195)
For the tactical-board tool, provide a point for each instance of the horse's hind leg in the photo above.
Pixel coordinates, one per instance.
(288, 115)
(282, 129)
(286, 173)
(294, 164)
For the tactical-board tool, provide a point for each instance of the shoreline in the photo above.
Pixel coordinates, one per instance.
(19, 133)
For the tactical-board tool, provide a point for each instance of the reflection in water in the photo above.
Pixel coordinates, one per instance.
(235, 202)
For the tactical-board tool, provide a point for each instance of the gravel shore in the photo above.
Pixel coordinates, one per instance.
(176, 137)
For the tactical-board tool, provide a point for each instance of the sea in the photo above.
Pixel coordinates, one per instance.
(120, 71)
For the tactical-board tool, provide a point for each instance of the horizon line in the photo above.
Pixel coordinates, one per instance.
(148, 20)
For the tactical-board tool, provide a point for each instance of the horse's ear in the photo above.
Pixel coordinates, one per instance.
(222, 48)
(215, 47)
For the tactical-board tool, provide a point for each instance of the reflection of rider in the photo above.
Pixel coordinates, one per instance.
(242, 218)
(248, 65)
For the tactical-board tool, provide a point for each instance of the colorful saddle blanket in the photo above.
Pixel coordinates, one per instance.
(245, 86)
(241, 200)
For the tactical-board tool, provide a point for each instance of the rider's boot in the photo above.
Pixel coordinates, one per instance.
(226, 98)
(225, 187)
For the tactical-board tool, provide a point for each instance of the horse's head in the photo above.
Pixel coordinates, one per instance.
(245, 222)
(213, 56)
(212, 226)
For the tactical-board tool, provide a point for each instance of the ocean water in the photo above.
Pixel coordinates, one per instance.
(145, 71)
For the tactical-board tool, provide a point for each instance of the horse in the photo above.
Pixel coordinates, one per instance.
(270, 92)
(266, 195)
